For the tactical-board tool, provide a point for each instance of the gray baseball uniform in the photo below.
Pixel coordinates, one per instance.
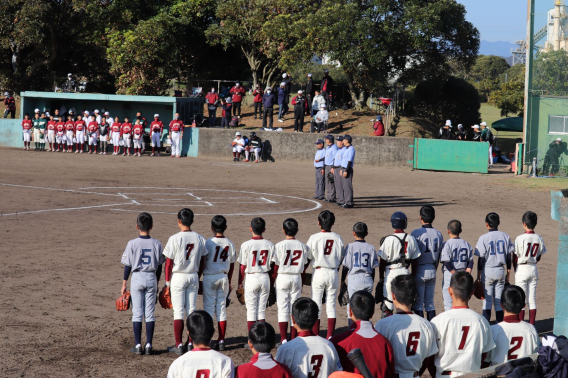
(320, 173)
(457, 255)
(337, 179)
(330, 152)
(430, 242)
(495, 247)
(361, 259)
(144, 256)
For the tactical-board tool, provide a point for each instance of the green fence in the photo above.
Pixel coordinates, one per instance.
(450, 155)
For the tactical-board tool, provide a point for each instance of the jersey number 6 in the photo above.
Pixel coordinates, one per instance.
(412, 344)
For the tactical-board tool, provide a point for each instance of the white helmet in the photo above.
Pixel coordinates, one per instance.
(284, 75)
(36, 110)
(96, 111)
(6, 93)
(156, 115)
(238, 134)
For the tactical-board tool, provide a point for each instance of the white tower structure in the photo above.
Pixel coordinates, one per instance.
(557, 28)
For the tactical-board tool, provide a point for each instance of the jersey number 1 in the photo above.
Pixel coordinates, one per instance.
(465, 331)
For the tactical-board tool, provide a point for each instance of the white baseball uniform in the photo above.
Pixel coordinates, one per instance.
(513, 339)
(185, 249)
(328, 251)
(256, 254)
(202, 363)
(239, 146)
(291, 256)
(528, 248)
(462, 336)
(220, 255)
(390, 251)
(412, 339)
(309, 356)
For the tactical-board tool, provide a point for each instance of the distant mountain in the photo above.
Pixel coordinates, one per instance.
(499, 48)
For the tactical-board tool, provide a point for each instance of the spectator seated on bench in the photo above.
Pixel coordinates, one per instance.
(321, 119)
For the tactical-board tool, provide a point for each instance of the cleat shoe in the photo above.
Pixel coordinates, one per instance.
(137, 350)
(179, 350)
(148, 350)
(246, 160)
(347, 206)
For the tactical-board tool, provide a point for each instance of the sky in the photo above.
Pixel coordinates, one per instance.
(499, 20)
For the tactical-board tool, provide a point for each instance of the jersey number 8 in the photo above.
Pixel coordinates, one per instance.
(328, 247)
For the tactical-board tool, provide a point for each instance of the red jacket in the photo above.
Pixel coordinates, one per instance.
(258, 93)
(10, 103)
(238, 93)
(212, 98)
(263, 365)
(294, 102)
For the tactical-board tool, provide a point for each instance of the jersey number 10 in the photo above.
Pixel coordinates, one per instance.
(532, 251)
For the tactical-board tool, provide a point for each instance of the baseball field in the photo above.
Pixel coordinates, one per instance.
(67, 218)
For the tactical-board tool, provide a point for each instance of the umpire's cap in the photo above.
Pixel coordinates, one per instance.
(398, 220)
(329, 137)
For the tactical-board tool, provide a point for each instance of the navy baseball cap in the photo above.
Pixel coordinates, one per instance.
(329, 137)
(319, 141)
(347, 138)
(340, 138)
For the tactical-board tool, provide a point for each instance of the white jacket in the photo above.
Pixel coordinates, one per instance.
(322, 116)
(318, 100)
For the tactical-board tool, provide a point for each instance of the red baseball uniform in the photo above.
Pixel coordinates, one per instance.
(138, 129)
(116, 126)
(376, 349)
(70, 126)
(93, 127)
(27, 124)
(157, 126)
(51, 125)
(60, 127)
(176, 125)
(80, 125)
(125, 128)
(263, 365)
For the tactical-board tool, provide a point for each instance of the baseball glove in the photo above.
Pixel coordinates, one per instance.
(343, 295)
(165, 298)
(307, 279)
(123, 302)
(233, 144)
(330, 178)
(272, 296)
(379, 297)
(478, 290)
(241, 295)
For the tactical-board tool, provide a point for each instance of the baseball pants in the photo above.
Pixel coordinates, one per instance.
(347, 185)
(328, 185)
(338, 182)
(268, 114)
(390, 275)
(37, 139)
(238, 148)
(357, 282)
(59, 138)
(183, 289)
(27, 135)
(425, 286)
(526, 278)
(126, 139)
(320, 183)
(156, 142)
(237, 108)
(143, 288)
(116, 139)
(493, 280)
(93, 140)
(80, 137)
(50, 136)
(325, 279)
(446, 277)
(288, 289)
(490, 154)
(70, 138)
(176, 143)
(137, 142)
(257, 287)
(215, 291)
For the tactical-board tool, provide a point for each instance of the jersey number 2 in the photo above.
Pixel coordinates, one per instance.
(202, 373)
(412, 344)
(188, 249)
(316, 362)
(516, 343)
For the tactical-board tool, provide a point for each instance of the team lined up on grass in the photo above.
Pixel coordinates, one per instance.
(92, 133)
(275, 274)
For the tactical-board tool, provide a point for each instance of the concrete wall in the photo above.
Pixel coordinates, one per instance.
(11, 133)
(376, 151)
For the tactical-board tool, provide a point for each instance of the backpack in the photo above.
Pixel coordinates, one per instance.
(234, 121)
(521, 368)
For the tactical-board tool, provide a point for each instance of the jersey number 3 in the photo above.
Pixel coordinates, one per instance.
(316, 362)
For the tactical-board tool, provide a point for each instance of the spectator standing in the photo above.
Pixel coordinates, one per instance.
(237, 92)
(318, 101)
(320, 170)
(282, 102)
(103, 135)
(321, 117)
(476, 133)
(258, 93)
(268, 101)
(212, 99)
(330, 152)
(226, 105)
(10, 104)
(326, 86)
(551, 163)
(487, 136)
(461, 134)
(300, 108)
(287, 79)
(69, 85)
(446, 131)
(310, 91)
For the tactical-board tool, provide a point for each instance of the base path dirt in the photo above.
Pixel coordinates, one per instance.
(66, 219)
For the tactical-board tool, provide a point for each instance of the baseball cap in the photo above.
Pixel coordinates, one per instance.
(475, 126)
(6, 94)
(309, 75)
(238, 84)
(347, 138)
(284, 75)
(107, 113)
(326, 71)
(86, 112)
(340, 138)
(69, 74)
(329, 137)
(300, 91)
(319, 141)
(449, 123)
(268, 88)
(282, 84)
(460, 126)
(36, 110)
(238, 134)
(96, 111)
(156, 115)
(323, 106)
(483, 123)
(559, 139)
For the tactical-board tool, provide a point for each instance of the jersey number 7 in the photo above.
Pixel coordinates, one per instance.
(188, 249)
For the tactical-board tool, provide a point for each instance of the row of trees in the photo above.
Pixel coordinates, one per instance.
(139, 46)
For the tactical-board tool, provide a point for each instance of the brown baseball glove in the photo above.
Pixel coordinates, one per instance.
(123, 302)
(241, 295)
(478, 290)
(165, 298)
(233, 144)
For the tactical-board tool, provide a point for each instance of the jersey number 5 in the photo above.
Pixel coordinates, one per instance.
(412, 344)
(316, 362)
(516, 343)
(202, 373)
(188, 249)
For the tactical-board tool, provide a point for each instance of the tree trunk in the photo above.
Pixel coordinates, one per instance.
(358, 96)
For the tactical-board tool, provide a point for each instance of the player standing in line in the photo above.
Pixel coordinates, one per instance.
(255, 258)
(125, 134)
(176, 134)
(261, 339)
(529, 248)
(93, 130)
(308, 355)
(69, 133)
(463, 336)
(494, 250)
(156, 129)
(430, 243)
(411, 336)
(457, 256)
(397, 252)
(336, 171)
(59, 134)
(138, 135)
(27, 126)
(143, 258)
(116, 133)
(201, 362)
(513, 337)
(291, 257)
(376, 349)
(103, 135)
(217, 274)
(327, 250)
(80, 126)
(51, 134)
(359, 264)
(183, 255)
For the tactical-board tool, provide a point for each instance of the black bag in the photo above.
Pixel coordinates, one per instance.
(521, 368)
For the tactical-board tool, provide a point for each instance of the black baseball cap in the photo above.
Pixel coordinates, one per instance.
(347, 138)
(329, 137)
(319, 141)
(340, 138)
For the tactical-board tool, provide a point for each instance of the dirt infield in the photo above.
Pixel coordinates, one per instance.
(67, 218)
